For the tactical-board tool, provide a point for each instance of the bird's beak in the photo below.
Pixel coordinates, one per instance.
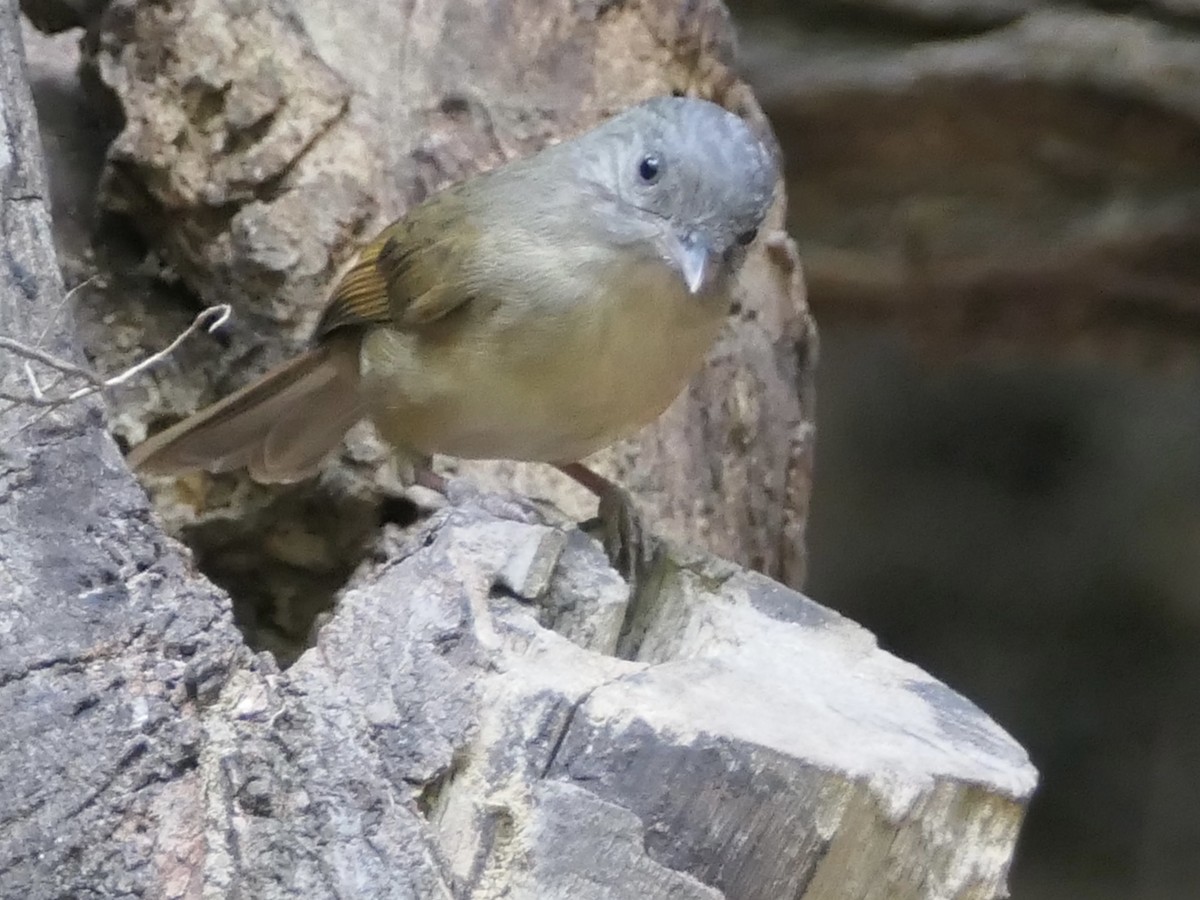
(693, 257)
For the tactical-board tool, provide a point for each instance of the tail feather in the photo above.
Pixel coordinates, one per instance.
(280, 427)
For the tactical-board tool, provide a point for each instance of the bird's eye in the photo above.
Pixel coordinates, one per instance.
(746, 238)
(650, 168)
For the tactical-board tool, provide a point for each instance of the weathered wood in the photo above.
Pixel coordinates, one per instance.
(109, 645)
(485, 714)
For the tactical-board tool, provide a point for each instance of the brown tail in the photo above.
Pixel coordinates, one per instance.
(281, 427)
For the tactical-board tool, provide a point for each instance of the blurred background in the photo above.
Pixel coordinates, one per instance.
(998, 206)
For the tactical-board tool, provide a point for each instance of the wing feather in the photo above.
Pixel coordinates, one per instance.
(415, 272)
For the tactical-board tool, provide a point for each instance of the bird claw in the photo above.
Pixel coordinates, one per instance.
(619, 527)
(630, 548)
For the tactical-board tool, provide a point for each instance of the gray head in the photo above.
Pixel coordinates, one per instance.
(686, 179)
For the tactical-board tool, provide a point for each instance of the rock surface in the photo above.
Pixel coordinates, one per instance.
(747, 744)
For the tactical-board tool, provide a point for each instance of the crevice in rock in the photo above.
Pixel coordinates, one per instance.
(399, 511)
(559, 738)
(501, 590)
(77, 662)
(284, 559)
(274, 187)
(497, 831)
(429, 798)
(134, 751)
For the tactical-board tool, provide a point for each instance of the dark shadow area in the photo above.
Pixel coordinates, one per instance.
(1030, 533)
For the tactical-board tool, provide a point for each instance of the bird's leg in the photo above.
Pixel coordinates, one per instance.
(627, 543)
(431, 480)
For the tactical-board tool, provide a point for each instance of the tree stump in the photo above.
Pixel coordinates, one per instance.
(488, 712)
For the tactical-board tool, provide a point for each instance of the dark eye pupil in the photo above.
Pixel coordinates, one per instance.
(649, 169)
(747, 237)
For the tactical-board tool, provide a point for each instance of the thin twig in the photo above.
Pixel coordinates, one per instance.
(47, 359)
(62, 304)
(209, 319)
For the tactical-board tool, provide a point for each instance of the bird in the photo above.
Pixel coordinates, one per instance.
(539, 311)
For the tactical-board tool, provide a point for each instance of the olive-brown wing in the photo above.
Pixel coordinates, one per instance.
(416, 271)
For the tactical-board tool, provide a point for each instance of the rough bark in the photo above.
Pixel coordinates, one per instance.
(109, 645)
(485, 714)
(993, 174)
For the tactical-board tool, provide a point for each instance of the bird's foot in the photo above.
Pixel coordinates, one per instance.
(618, 526)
